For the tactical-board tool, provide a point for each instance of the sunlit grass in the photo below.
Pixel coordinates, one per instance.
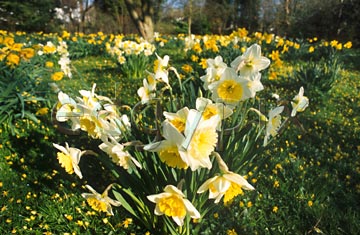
(309, 184)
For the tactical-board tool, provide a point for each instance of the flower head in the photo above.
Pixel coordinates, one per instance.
(160, 66)
(200, 140)
(273, 124)
(251, 61)
(172, 203)
(169, 148)
(228, 183)
(230, 89)
(100, 202)
(299, 103)
(119, 155)
(69, 158)
(146, 92)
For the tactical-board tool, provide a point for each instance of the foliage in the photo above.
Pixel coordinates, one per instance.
(32, 16)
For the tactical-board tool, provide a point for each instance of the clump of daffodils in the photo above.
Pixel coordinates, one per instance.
(188, 142)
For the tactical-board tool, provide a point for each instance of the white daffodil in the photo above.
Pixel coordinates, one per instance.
(251, 61)
(273, 124)
(160, 68)
(118, 155)
(90, 100)
(215, 68)
(146, 92)
(100, 202)
(254, 84)
(172, 203)
(67, 109)
(228, 184)
(209, 109)
(178, 119)
(200, 140)
(169, 148)
(69, 158)
(299, 103)
(230, 89)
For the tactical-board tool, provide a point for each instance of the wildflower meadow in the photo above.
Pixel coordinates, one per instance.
(246, 133)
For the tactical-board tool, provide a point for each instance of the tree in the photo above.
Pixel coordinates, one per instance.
(219, 14)
(30, 16)
(143, 14)
(248, 14)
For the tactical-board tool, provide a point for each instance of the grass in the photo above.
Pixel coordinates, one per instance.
(309, 183)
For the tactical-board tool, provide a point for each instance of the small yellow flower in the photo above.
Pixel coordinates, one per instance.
(275, 209)
(68, 217)
(127, 222)
(49, 64)
(231, 232)
(348, 45)
(42, 111)
(12, 60)
(311, 49)
(57, 76)
(310, 203)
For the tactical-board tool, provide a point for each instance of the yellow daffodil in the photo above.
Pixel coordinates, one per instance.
(178, 119)
(299, 103)
(12, 60)
(228, 183)
(100, 202)
(57, 76)
(210, 109)
(251, 61)
(230, 89)
(273, 123)
(169, 149)
(69, 158)
(172, 203)
(200, 140)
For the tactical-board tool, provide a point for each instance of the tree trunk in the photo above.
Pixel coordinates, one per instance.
(142, 17)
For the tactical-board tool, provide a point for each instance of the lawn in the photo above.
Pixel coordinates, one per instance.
(307, 181)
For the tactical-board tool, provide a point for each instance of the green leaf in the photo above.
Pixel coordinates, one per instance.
(124, 203)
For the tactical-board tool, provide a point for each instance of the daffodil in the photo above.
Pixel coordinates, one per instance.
(230, 89)
(209, 109)
(299, 103)
(69, 158)
(146, 92)
(169, 148)
(119, 155)
(172, 203)
(273, 124)
(227, 183)
(254, 84)
(100, 202)
(200, 140)
(251, 61)
(67, 110)
(215, 68)
(160, 68)
(178, 119)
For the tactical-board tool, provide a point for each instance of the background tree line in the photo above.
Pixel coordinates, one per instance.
(293, 18)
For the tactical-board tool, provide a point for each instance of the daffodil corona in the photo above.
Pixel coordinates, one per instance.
(172, 203)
